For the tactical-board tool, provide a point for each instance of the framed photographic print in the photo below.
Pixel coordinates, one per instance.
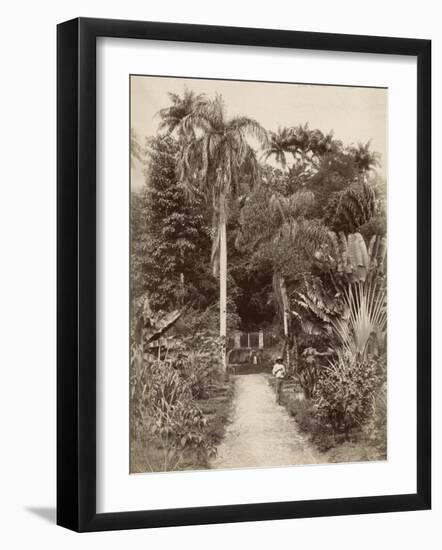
(243, 274)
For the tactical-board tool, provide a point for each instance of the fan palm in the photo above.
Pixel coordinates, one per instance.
(356, 308)
(366, 316)
(216, 163)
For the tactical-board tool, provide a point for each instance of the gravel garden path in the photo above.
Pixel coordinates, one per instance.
(261, 433)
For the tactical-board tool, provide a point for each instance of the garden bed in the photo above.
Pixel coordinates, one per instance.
(357, 446)
(149, 457)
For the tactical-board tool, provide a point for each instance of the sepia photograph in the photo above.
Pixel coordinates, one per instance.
(258, 274)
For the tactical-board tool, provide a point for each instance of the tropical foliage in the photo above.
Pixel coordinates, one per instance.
(351, 208)
(164, 413)
(305, 146)
(346, 390)
(172, 234)
(242, 227)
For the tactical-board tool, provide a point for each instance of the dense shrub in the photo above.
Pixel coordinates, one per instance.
(345, 392)
(198, 359)
(309, 367)
(164, 412)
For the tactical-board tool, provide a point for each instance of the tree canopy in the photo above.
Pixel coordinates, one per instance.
(204, 166)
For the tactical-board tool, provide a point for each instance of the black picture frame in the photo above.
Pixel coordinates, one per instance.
(76, 274)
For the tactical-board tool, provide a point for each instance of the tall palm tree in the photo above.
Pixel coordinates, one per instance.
(304, 145)
(176, 116)
(216, 163)
(280, 143)
(364, 158)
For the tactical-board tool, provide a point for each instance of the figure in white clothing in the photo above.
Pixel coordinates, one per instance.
(278, 372)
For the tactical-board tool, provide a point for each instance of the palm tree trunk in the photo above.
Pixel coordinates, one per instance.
(285, 313)
(181, 289)
(223, 279)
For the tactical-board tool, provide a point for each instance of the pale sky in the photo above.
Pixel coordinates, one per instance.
(354, 114)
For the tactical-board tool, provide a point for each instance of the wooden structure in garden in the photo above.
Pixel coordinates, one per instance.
(251, 340)
(236, 340)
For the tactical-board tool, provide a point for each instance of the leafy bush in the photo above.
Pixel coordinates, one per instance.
(309, 368)
(164, 412)
(198, 359)
(345, 392)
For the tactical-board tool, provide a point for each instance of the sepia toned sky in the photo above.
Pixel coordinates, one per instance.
(354, 114)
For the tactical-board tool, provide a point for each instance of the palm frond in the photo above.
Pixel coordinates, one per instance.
(250, 126)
